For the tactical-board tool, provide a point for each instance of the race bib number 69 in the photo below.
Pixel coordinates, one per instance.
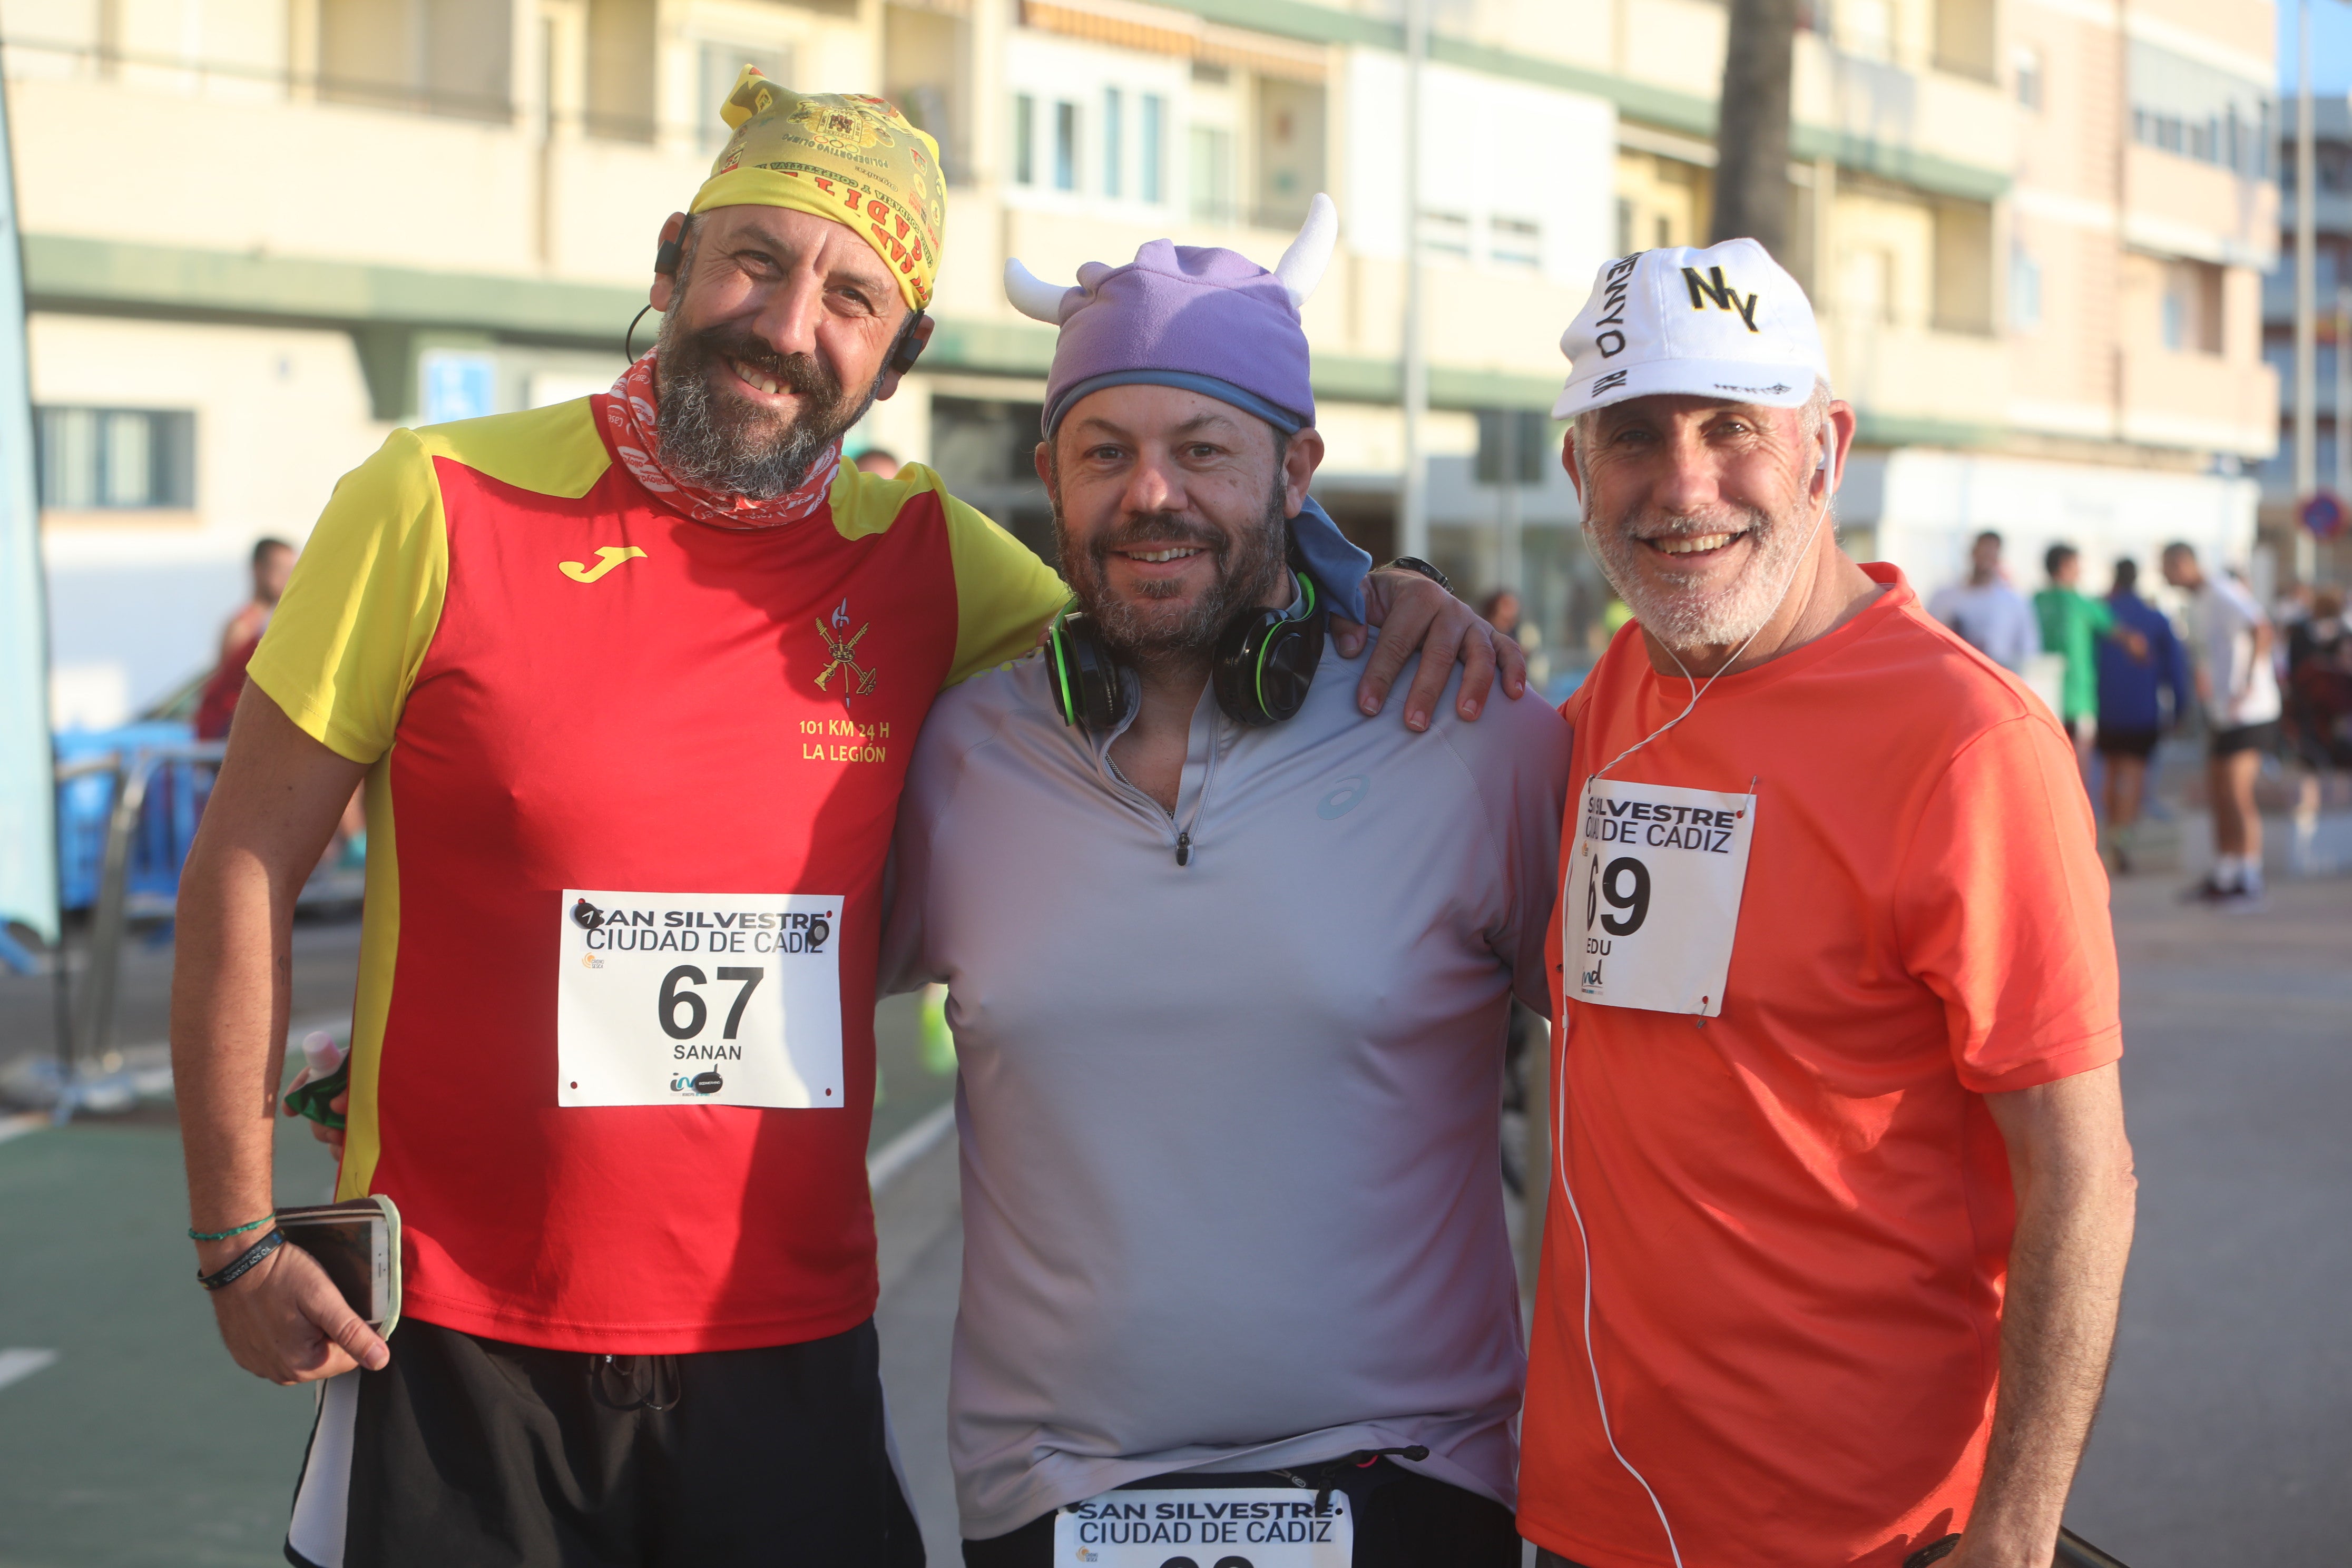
(1651, 902)
(699, 999)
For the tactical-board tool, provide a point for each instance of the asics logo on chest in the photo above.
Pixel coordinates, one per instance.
(1344, 797)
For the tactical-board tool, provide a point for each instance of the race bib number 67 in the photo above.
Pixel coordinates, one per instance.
(1651, 901)
(699, 999)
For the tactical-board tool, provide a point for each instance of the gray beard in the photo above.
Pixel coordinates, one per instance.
(712, 441)
(1249, 565)
(1724, 618)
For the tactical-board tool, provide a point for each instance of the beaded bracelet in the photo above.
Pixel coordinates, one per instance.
(245, 1263)
(194, 1235)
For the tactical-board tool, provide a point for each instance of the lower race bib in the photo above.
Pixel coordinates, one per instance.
(699, 999)
(1652, 900)
(1243, 1527)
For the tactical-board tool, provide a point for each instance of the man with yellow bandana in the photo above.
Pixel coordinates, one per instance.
(632, 683)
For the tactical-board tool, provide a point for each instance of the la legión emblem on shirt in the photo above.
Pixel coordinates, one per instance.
(841, 646)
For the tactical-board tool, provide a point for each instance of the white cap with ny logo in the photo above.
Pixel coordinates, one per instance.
(1726, 321)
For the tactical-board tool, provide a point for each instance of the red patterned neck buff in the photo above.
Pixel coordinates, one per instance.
(636, 438)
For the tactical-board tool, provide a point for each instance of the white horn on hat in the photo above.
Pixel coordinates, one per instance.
(1301, 266)
(1033, 296)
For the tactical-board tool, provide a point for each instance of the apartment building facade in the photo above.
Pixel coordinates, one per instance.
(262, 233)
(2331, 130)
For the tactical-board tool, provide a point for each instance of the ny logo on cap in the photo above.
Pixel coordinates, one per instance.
(1725, 297)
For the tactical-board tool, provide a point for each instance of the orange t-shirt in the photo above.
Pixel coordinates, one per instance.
(1799, 1212)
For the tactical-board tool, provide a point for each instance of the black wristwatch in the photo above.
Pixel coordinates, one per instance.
(1415, 564)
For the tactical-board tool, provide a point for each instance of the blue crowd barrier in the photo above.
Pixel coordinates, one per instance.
(167, 819)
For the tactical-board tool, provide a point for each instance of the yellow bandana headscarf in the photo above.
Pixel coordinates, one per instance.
(838, 155)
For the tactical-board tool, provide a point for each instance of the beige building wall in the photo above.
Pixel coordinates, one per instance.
(1999, 271)
(2146, 332)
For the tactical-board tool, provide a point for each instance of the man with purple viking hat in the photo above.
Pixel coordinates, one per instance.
(1237, 1283)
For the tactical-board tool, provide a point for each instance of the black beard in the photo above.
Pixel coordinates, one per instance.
(722, 443)
(1249, 564)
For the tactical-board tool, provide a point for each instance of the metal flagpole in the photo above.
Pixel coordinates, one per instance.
(1413, 501)
(2344, 393)
(1510, 537)
(2307, 341)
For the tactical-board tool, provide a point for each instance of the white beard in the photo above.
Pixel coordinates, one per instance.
(1725, 616)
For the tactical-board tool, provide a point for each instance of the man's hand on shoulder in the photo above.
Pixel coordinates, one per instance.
(1415, 614)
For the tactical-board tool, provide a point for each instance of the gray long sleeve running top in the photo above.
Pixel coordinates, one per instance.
(1230, 1127)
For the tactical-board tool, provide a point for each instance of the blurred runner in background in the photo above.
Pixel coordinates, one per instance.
(1502, 610)
(2229, 644)
(2144, 691)
(1991, 615)
(273, 563)
(2318, 715)
(2073, 625)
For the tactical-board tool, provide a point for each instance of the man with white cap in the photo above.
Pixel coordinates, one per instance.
(1831, 1269)
(632, 682)
(1238, 1285)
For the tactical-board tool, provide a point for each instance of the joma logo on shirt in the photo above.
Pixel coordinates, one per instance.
(607, 557)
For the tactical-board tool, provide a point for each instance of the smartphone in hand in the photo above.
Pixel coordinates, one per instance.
(358, 1245)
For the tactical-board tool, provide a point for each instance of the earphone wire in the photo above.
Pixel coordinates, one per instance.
(1559, 1085)
(1592, 1363)
(628, 351)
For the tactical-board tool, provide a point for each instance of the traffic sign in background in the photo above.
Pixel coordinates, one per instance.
(2322, 512)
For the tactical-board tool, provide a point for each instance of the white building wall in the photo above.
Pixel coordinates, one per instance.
(1927, 505)
(137, 597)
(1491, 149)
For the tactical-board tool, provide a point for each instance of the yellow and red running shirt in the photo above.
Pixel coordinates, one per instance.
(560, 682)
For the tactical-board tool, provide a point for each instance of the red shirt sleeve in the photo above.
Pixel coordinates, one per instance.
(2002, 911)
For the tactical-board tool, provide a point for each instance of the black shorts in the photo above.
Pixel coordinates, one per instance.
(1403, 1520)
(2318, 741)
(2118, 742)
(2260, 737)
(469, 1451)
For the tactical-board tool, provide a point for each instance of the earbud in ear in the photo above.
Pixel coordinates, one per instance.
(910, 347)
(667, 258)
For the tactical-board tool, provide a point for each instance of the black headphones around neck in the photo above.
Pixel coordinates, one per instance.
(903, 353)
(1263, 663)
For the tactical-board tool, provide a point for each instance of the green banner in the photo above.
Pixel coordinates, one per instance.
(28, 796)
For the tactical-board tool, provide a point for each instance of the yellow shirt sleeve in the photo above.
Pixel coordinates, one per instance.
(346, 641)
(1004, 594)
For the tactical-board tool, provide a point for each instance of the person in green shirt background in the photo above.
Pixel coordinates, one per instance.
(2071, 625)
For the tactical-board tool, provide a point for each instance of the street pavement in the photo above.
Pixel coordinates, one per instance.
(2227, 1437)
(128, 1440)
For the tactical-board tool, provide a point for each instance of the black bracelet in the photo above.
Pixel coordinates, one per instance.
(1415, 564)
(244, 1264)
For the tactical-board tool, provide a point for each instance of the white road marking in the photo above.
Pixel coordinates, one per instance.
(888, 1163)
(16, 1365)
(17, 1126)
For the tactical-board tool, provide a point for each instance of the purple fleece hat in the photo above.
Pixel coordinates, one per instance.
(1210, 320)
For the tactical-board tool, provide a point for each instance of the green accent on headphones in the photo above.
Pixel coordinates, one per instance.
(1266, 646)
(1056, 644)
(1261, 669)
